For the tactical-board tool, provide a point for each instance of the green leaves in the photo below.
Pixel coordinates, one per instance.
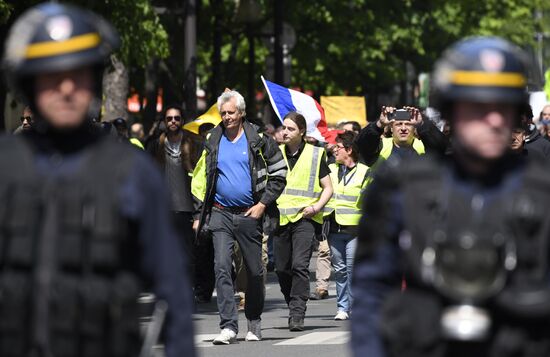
(143, 35)
(5, 11)
(358, 45)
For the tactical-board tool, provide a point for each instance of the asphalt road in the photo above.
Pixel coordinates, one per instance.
(322, 335)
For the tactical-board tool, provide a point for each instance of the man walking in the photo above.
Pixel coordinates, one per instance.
(239, 175)
(175, 153)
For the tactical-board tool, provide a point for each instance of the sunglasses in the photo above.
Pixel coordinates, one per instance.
(29, 119)
(175, 118)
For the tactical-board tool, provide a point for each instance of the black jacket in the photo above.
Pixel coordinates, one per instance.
(537, 144)
(267, 169)
(92, 186)
(408, 201)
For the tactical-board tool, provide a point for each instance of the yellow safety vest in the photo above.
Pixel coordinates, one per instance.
(136, 142)
(198, 182)
(387, 147)
(302, 186)
(347, 197)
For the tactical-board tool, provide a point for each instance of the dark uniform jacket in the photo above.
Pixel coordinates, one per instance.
(497, 202)
(89, 227)
(536, 144)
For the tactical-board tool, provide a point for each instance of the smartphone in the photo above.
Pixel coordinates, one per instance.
(400, 114)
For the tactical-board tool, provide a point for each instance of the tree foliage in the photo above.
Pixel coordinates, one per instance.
(359, 46)
(343, 46)
(349, 46)
(143, 36)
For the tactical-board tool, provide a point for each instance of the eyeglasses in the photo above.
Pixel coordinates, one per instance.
(29, 119)
(337, 148)
(175, 118)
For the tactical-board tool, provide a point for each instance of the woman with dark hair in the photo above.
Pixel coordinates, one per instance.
(307, 190)
(343, 213)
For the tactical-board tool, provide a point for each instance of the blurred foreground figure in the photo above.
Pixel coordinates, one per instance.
(468, 233)
(85, 223)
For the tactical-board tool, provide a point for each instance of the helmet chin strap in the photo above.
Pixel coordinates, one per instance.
(43, 126)
(471, 161)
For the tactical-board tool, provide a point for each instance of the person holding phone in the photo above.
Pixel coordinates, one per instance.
(405, 124)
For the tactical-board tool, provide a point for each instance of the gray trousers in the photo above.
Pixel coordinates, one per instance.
(226, 228)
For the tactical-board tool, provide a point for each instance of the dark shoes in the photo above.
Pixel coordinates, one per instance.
(202, 299)
(318, 295)
(296, 323)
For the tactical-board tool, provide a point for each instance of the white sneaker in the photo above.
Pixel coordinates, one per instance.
(251, 337)
(225, 337)
(341, 316)
(254, 330)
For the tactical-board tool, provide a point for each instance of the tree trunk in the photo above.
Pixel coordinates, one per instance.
(216, 58)
(115, 90)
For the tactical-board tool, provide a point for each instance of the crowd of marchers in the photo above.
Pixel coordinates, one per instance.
(441, 222)
(247, 199)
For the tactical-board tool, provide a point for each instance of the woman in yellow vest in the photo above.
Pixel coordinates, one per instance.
(343, 213)
(308, 189)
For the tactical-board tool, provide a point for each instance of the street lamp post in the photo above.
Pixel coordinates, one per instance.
(248, 13)
(278, 6)
(190, 62)
(251, 70)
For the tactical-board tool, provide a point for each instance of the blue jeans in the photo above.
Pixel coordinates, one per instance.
(342, 247)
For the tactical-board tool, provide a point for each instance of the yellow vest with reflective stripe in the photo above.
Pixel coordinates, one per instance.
(302, 186)
(346, 199)
(387, 147)
(136, 142)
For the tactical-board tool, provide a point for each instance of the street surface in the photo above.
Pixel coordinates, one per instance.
(322, 335)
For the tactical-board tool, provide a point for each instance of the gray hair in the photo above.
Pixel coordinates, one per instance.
(226, 97)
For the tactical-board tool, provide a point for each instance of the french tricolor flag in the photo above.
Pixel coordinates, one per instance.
(284, 100)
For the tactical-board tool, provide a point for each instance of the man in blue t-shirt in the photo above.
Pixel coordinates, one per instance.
(237, 181)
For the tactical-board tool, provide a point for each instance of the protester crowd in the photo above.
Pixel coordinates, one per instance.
(247, 200)
(225, 205)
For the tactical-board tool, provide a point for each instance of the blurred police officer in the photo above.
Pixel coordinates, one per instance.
(468, 233)
(84, 218)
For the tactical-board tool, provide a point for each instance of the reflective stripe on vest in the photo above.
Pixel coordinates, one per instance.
(387, 147)
(346, 199)
(302, 185)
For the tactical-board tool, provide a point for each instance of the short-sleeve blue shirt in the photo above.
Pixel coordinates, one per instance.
(234, 185)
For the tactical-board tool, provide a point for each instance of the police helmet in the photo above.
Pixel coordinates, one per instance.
(480, 69)
(51, 37)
